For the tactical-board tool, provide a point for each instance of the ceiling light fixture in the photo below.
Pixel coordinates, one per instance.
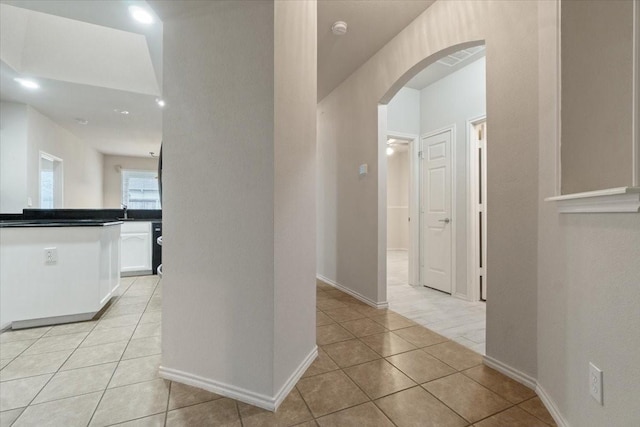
(82, 121)
(339, 28)
(389, 151)
(29, 84)
(160, 102)
(140, 15)
(125, 112)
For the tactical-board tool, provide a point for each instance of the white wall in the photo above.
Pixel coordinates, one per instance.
(112, 180)
(597, 87)
(82, 164)
(452, 101)
(403, 112)
(30, 132)
(564, 288)
(295, 130)
(398, 199)
(238, 171)
(13, 157)
(588, 287)
(348, 205)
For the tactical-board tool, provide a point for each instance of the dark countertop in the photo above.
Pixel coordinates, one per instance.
(59, 223)
(64, 215)
(112, 214)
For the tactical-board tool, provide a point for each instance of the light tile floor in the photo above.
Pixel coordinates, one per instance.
(375, 368)
(456, 319)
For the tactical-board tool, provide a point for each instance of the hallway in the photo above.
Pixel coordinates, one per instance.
(374, 368)
(459, 320)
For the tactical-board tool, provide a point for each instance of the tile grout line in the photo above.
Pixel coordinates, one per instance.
(342, 369)
(528, 412)
(125, 349)
(27, 348)
(350, 379)
(52, 375)
(417, 384)
(166, 412)
(370, 399)
(305, 403)
(238, 412)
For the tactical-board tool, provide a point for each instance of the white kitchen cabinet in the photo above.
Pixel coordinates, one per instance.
(135, 248)
(73, 286)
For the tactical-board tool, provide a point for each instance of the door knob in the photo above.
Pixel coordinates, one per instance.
(446, 220)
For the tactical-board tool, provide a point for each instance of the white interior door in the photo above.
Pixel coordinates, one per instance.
(435, 224)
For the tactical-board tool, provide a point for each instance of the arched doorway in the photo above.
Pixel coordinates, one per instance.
(431, 132)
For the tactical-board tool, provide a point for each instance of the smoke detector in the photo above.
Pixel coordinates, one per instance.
(339, 28)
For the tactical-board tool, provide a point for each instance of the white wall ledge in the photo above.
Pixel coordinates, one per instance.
(612, 200)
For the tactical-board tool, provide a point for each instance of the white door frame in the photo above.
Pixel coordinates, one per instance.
(472, 235)
(454, 179)
(414, 197)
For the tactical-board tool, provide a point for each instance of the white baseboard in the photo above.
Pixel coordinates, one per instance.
(295, 376)
(46, 321)
(551, 407)
(524, 379)
(354, 294)
(238, 393)
(530, 382)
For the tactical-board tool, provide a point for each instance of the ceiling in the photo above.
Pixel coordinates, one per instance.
(91, 61)
(371, 25)
(100, 79)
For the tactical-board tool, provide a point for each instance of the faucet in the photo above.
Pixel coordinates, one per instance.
(124, 207)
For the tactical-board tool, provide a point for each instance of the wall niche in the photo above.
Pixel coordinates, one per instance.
(599, 143)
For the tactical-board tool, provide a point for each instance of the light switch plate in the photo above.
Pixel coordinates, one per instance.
(363, 169)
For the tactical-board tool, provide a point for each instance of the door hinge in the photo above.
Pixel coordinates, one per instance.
(421, 154)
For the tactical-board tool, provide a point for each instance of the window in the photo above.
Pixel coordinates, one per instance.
(50, 181)
(140, 189)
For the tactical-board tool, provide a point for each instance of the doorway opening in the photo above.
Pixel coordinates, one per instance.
(402, 209)
(51, 181)
(435, 128)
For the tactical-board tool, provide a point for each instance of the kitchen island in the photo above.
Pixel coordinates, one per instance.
(57, 271)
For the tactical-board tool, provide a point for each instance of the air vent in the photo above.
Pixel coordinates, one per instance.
(459, 56)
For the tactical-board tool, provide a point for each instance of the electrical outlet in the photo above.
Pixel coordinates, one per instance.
(50, 256)
(595, 382)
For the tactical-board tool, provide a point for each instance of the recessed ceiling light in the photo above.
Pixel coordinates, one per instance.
(125, 112)
(29, 84)
(140, 15)
(339, 28)
(389, 151)
(160, 102)
(81, 121)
